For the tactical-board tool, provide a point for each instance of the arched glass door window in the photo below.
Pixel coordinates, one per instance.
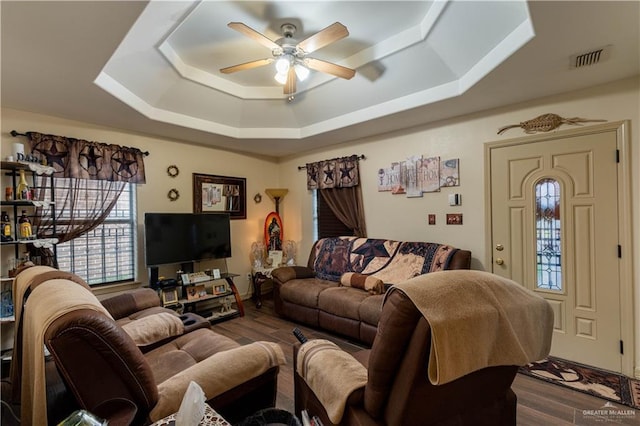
(548, 235)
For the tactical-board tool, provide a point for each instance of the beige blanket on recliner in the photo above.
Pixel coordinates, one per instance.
(217, 374)
(331, 373)
(479, 320)
(47, 302)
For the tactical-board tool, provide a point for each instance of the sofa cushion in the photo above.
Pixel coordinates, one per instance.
(370, 309)
(364, 282)
(185, 351)
(332, 257)
(131, 302)
(305, 292)
(342, 301)
(143, 313)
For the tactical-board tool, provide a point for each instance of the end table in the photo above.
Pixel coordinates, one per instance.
(259, 276)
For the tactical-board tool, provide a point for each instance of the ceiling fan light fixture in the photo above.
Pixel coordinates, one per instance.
(281, 77)
(290, 56)
(302, 72)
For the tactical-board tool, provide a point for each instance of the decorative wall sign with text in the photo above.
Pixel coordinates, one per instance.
(419, 174)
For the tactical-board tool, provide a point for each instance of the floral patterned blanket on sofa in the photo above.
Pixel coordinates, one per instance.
(391, 261)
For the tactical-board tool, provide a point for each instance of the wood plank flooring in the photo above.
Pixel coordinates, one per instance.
(539, 403)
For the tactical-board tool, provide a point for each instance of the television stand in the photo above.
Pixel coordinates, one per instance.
(192, 302)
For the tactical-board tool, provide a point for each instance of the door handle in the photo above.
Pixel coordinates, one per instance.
(499, 261)
(499, 247)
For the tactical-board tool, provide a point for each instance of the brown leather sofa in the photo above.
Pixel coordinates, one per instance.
(397, 389)
(100, 365)
(312, 295)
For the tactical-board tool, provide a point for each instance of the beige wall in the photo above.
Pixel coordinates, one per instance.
(398, 217)
(152, 197)
(388, 216)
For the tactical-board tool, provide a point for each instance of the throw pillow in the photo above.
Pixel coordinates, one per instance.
(365, 282)
(154, 328)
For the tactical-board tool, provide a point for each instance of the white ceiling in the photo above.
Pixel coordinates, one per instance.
(154, 67)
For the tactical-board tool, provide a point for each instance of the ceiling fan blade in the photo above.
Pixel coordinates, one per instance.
(246, 66)
(333, 32)
(251, 33)
(330, 68)
(290, 85)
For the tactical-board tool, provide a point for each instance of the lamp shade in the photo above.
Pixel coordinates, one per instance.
(281, 78)
(302, 72)
(276, 192)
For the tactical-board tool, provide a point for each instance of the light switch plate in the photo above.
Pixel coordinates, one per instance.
(455, 199)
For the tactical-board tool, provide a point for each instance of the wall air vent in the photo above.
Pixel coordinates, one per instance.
(592, 57)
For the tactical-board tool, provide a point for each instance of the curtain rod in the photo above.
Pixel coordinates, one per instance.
(359, 157)
(16, 134)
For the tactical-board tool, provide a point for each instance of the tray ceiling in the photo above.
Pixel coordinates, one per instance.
(406, 53)
(153, 67)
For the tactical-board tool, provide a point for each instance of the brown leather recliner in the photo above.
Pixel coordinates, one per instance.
(101, 367)
(108, 374)
(397, 388)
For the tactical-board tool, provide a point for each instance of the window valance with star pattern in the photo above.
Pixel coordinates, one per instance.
(81, 159)
(335, 173)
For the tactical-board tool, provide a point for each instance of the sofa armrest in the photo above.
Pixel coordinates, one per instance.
(131, 302)
(288, 273)
(460, 260)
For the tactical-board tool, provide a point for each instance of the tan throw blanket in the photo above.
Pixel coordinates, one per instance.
(21, 284)
(479, 320)
(217, 374)
(154, 328)
(331, 373)
(28, 278)
(47, 302)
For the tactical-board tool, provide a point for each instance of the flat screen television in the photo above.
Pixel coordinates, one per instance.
(185, 237)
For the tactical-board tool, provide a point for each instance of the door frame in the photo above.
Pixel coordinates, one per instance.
(625, 265)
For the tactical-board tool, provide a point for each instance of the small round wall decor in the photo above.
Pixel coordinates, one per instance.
(173, 171)
(173, 194)
(257, 198)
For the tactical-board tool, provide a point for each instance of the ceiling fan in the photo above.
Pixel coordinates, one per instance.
(291, 56)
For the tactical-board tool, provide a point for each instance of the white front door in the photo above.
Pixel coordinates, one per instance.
(554, 229)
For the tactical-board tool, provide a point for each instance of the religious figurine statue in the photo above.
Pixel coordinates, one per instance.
(275, 242)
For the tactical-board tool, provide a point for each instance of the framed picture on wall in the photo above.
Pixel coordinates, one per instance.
(220, 194)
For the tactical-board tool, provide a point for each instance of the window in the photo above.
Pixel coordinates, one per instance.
(548, 227)
(326, 223)
(105, 254)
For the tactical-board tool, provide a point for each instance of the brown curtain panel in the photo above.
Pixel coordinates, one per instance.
(338, 181)
(346, 204)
